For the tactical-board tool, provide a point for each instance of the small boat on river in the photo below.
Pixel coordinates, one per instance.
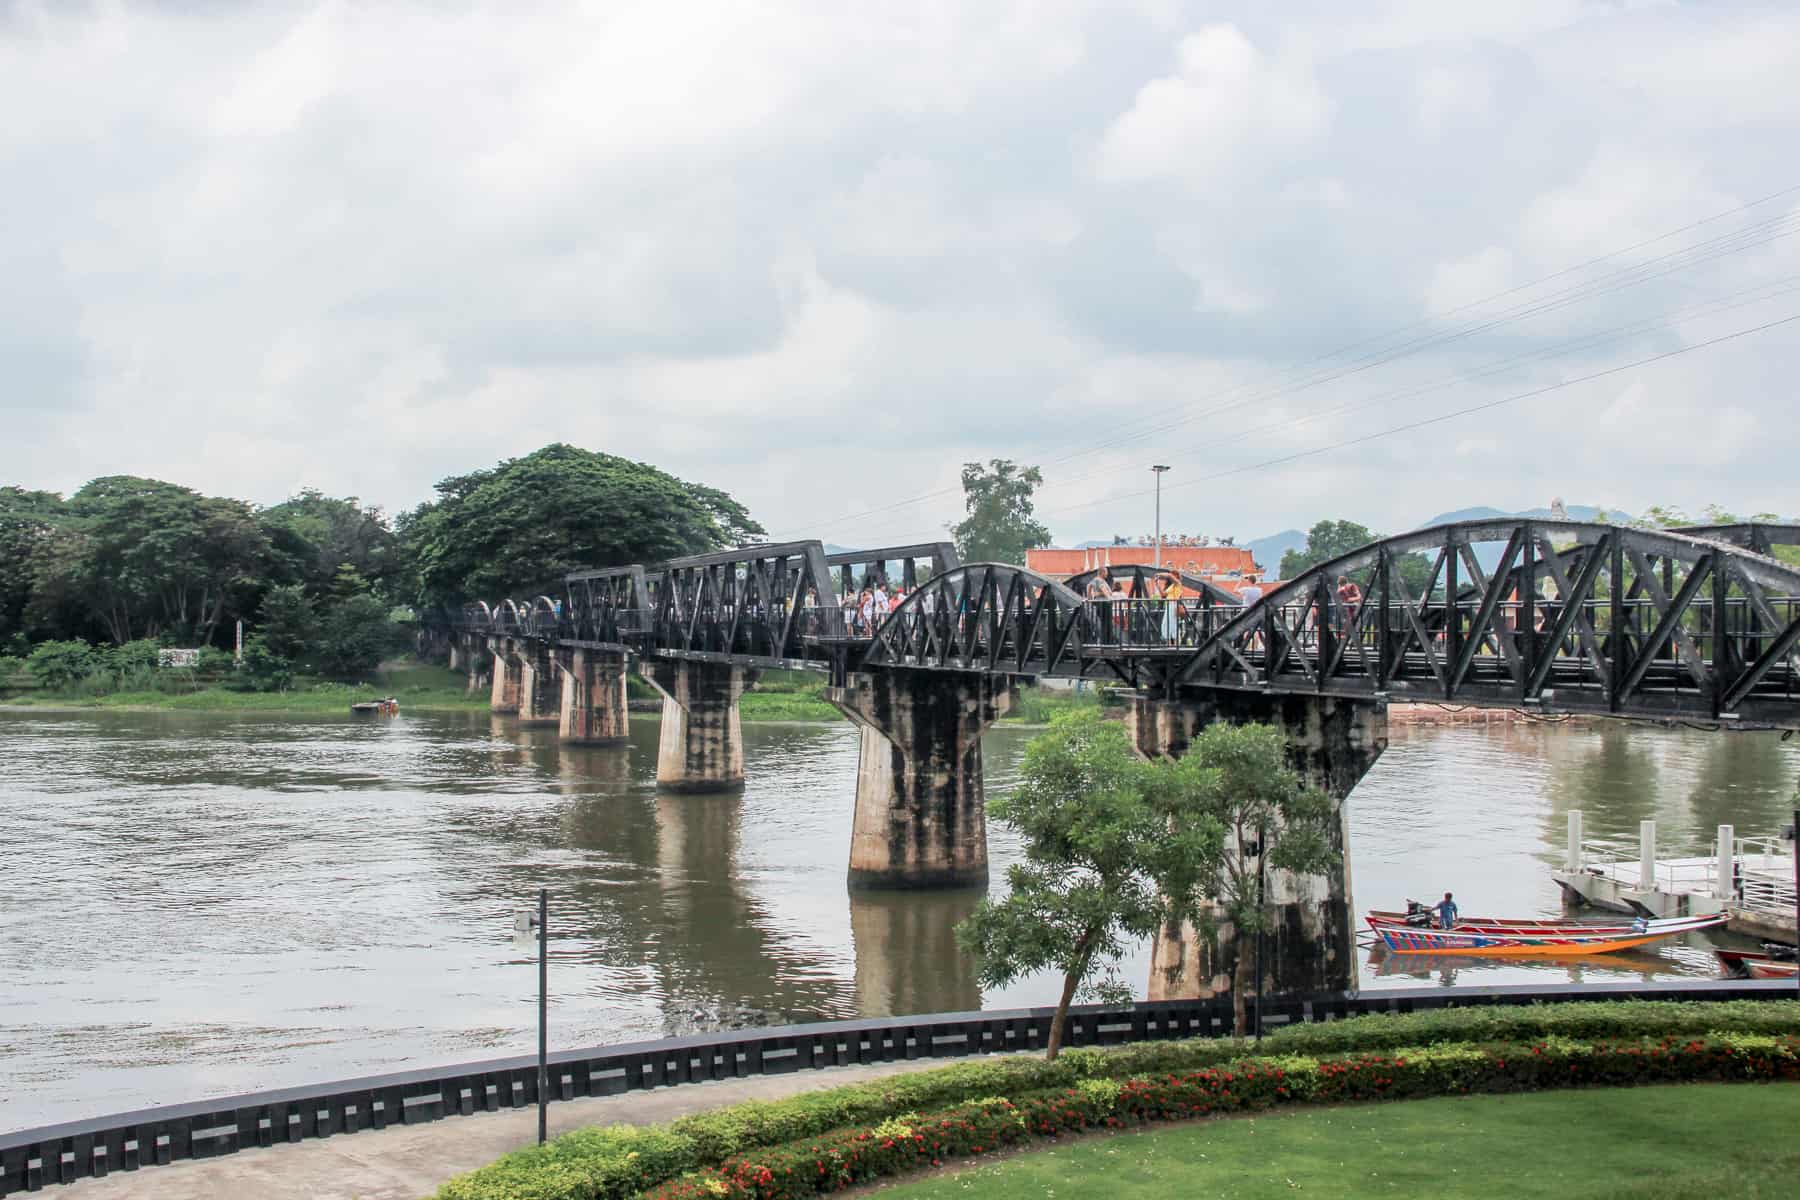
(1773, 961)
(1533, 939)
(386, 707)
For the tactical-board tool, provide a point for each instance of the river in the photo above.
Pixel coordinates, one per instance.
(196, 905)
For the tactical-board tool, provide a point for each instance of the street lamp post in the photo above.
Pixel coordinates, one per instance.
(525, 925)
(1159, 474)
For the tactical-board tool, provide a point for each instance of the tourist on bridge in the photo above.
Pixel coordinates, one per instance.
(1446, 912)
(1173, 611)
(1349, 596)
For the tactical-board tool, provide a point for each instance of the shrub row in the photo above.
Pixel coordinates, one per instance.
(911, 1142)
(605, 1163)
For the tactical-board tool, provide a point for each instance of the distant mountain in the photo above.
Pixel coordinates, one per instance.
(1577, 512)
(1268, 550)
(1488, 553)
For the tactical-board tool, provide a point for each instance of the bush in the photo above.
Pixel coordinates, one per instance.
(911, 1142)
(262, 670)
(133, 658)
(61, 665)
(594, 1157)
(289, 622)
(354, 636)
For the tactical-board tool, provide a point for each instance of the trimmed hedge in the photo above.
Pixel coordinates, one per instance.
(911, 1142)
(613, 1162)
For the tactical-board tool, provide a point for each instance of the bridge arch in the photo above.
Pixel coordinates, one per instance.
(1612, 619)
(1204, 590)
(984, 617)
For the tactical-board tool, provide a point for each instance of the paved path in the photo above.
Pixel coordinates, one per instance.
(409, 1162)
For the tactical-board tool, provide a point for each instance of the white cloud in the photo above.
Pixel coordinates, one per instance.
(1227, 101)
(1462, 282)
(820, 259)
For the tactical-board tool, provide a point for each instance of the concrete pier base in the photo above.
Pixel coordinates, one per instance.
(702, 743)
(593, 698)
(540, 687)
(921, 818)
(503, 698)
(1333, 742)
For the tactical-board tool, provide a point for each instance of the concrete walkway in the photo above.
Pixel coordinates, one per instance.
(409, 1162)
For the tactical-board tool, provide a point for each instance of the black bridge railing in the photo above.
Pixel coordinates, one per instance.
(34, 1158)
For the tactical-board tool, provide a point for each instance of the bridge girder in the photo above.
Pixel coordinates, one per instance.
(1649, 646)
(1637, 622)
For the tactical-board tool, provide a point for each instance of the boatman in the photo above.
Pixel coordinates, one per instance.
(1446, 912)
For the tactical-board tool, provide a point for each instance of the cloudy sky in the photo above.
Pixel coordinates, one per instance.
(821, 254)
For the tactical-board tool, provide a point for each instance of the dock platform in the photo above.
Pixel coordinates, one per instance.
(1751, 879)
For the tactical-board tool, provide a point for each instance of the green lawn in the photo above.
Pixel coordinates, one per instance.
(1691, 1142)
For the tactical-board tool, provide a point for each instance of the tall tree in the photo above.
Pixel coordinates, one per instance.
(1235, 808)
(530, 520)
(314, 536)
(1088, 883)
(28, 520)
(999, 525)
(145, 557)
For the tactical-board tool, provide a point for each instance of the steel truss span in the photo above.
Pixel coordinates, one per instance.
(1570, 617)
(1701, 623)
(34, 1158)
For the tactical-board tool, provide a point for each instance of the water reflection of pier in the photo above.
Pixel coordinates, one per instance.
(652, 897)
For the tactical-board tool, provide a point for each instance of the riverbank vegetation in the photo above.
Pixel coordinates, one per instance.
(418, 687)
(826, 1140)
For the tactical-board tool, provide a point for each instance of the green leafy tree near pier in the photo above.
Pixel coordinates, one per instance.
(1231, 799)
(1116, 848)
(1087, 887)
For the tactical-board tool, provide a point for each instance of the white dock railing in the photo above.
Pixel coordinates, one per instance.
(1765, 881)
(1755, 873)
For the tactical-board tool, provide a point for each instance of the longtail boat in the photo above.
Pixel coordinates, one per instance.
(1527, 941)
(1421, 918)
(1773, 961)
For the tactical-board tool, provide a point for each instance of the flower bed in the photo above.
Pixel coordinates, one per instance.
(613, 1162)
(913, 1142)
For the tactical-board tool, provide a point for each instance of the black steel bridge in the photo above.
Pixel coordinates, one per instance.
(1697, 625)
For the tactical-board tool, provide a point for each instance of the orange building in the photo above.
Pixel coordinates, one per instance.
(1228, 566)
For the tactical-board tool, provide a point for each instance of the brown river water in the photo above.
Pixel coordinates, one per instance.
(195, 905)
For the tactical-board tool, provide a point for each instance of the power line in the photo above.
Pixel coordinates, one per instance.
(1591, 341)
(1418, 344)
(1441, 417)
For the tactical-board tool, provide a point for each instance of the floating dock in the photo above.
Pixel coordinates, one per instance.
(1751, 879)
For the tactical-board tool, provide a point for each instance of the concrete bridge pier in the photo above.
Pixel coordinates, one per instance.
(921, 817)
(1312, 947)
(540, 687)
(702, 743)
(503, 699)
(593, 697)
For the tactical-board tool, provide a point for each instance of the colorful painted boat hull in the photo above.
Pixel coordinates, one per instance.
(1525, 942)
(1546, 925)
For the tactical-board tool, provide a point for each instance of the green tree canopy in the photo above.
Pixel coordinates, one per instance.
(1231, 798)
(144, 558)
(28, 520)
(530, 520)
(1095, 846)
(314, 536)
(999, 526)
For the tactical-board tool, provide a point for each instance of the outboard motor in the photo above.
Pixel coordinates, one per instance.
(1780, 951)
(1417, 915)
